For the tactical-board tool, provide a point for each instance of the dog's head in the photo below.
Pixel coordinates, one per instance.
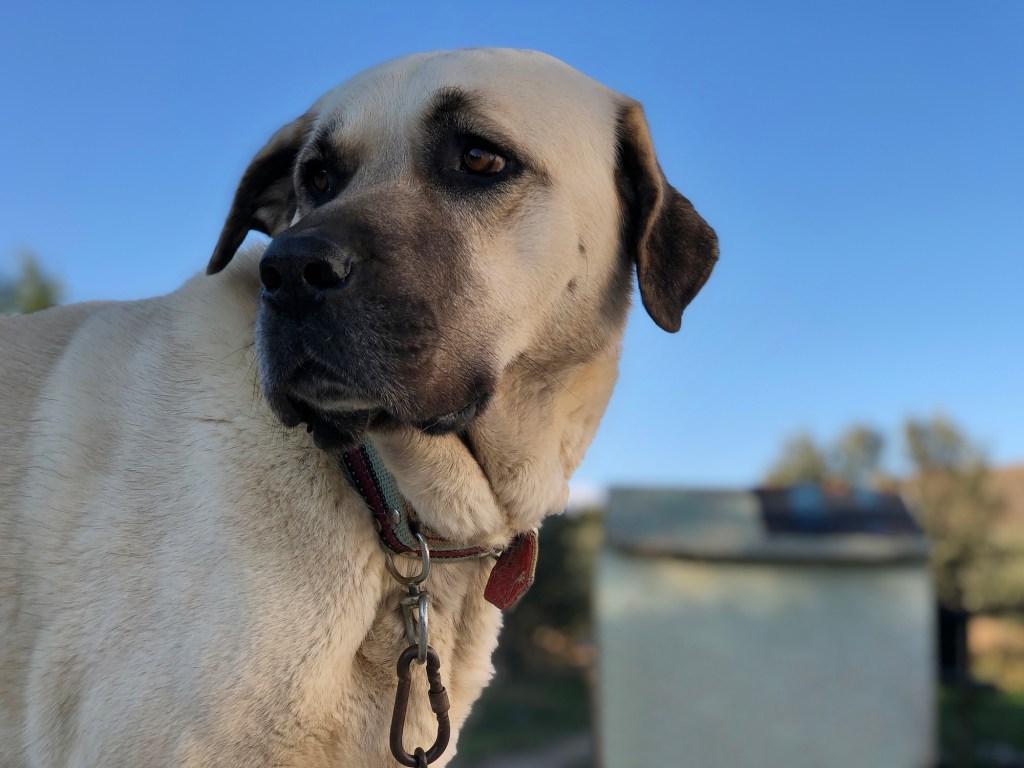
(440, 218)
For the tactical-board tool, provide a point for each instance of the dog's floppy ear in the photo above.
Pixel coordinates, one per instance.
(673, 247)
(265, 199)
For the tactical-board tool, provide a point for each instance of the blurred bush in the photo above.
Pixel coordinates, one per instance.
(976, 565)
(541, 692)
(30, 290)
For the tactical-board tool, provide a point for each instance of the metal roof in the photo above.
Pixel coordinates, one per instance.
(798, 524)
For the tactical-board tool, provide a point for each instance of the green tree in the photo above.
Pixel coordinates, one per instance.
(857, 457)
(951, 488)
(31, 290)
(854, 459)
(952, 492)
(802, 461)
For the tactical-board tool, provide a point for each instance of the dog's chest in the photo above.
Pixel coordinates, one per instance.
(336, 696)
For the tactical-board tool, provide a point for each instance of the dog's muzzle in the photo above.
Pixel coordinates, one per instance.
(346, 325)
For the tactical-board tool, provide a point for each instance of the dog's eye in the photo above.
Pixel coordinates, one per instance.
(319, 178)
(482, 162)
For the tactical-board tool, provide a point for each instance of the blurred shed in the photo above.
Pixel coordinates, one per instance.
(778, 629)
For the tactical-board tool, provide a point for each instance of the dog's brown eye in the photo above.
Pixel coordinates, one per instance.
(482, 161)
(319, 177)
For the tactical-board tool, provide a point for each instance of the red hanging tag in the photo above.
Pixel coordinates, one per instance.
(513, 574)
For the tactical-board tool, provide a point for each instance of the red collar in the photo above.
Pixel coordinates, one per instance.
(397, 525)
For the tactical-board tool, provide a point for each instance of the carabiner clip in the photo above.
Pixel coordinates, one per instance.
(438, 704)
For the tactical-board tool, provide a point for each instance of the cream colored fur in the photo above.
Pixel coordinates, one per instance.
(185, 582)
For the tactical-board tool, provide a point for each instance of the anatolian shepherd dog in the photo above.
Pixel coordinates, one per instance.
(187, 579)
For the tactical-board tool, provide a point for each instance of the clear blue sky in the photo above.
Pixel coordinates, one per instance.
(862, 162)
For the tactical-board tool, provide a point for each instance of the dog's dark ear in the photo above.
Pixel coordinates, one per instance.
(673, 247)
(265, 198)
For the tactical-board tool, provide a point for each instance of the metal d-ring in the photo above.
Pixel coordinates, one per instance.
(419, 578)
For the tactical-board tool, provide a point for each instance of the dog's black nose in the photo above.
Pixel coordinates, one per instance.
(298, 272)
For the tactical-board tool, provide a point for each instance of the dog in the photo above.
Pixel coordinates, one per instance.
(188, 576)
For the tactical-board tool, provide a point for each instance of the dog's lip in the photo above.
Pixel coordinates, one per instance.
(323, 386)
(310, 387)
(460, 418)
(450, 422)
(313, 391)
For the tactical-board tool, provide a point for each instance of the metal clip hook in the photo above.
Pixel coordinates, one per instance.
(415, 606)
(417, 622)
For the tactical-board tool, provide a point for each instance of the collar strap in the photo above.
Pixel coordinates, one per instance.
(397, 525)
(392, 515)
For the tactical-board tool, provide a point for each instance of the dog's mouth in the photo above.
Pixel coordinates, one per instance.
(311, 394)
(337, 413)
(324, 389)
(456, 421)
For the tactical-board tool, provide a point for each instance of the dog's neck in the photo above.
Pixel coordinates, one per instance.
(511, 467)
